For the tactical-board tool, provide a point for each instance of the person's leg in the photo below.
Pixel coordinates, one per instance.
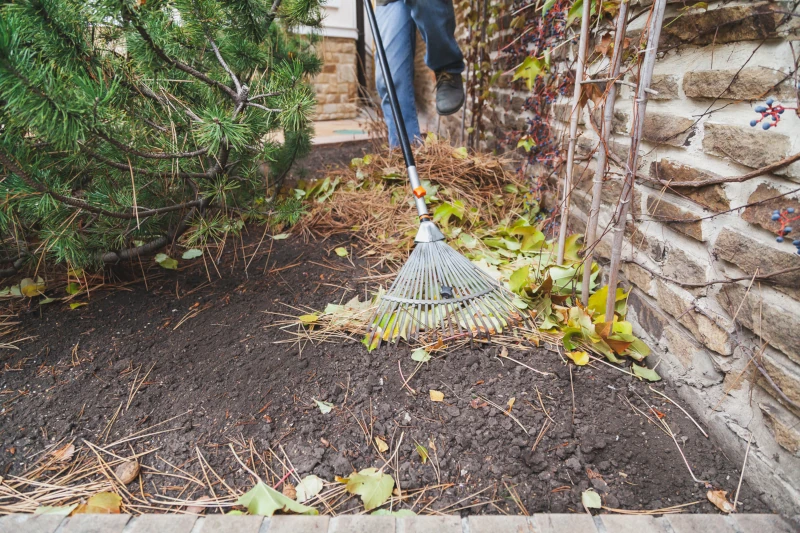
(436, 20)
(398, 33)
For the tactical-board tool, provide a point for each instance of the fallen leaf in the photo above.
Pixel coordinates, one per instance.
(436, 396)
(373, 486)
(280, 236)
(422, 451)
(101, 503)
(381, 444)
(307, 320)
(289, 491)
(420, 355)
(720, 499)
(192, 254)
(309, 487)
(645, 373)
(62, 455)
(476, 403)
(342, 252)
(30, 288)
(591, 500)
(510, 404)
(198, 507)
(579, 358)
(126, 472)
(77, 305)
(166, 261)
(263, 500)
(61, 510)
(325, 407)
(73, 288)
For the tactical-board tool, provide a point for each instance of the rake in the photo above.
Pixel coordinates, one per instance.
(439, 294)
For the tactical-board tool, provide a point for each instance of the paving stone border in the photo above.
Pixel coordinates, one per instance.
(538, 523)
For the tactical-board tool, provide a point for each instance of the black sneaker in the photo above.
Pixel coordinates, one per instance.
(449, 93)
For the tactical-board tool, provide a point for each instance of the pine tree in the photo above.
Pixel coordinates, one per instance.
(127, 125)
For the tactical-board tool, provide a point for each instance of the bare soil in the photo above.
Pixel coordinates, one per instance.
(223, 375)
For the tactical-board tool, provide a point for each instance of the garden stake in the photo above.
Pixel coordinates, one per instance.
(438, 293)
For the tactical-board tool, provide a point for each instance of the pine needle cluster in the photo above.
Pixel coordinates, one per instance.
(128, 125)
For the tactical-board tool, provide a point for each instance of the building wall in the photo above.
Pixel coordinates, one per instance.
(337, 84)
(732, 348)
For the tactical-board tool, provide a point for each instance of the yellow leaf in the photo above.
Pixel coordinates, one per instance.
(579, 358)
(30, 288)
(308, 319)
(510, 404)
(381, 444)
(101, 503)
(436, 396)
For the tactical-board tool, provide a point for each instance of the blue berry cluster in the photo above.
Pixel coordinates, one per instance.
(785, 218)
(770, 114)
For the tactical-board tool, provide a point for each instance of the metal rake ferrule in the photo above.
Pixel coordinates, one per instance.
(439, 295)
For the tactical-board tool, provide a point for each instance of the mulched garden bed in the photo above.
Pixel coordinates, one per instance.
(206, 358)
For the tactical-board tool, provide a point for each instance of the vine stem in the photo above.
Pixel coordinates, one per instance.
(602, 154)
(573, 129)
(639, 110)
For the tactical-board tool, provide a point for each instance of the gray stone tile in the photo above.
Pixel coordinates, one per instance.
(616, 523)
(361, 524)
(298, 524)
(96, 523)
(220, 523)
(500, 523)
(429, 524)
(161, 523)
(25, 523)
(556, 523)
(693, 523)
(762, 523)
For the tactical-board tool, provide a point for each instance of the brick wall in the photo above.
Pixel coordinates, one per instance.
(732, 348)
(337, 84)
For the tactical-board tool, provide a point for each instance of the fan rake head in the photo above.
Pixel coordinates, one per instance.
(440, 294)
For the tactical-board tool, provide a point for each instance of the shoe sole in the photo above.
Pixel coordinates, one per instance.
(453, 112)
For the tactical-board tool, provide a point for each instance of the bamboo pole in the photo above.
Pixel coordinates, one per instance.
(639, 109)
(580, 67)
(590, 239)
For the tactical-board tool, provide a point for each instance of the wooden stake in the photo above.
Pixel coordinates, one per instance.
(573, 129)
(590, 239)
(639, 109)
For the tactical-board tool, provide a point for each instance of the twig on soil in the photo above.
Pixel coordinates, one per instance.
(572, 388)
(665, 510)
(504, 411)
(741, 476)
(544, 410)
(405, 381)
(135, 391)
(523, 364)
(539, 437)
(673, 402)
(107, 431)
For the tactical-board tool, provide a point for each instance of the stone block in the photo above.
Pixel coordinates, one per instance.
(637, 276)
(761, 214)
(220, 523)
(753, 254)
(429, 524)
(783, 374)
(619, 124)
(95, 523)
(712, 197)
(558, 523)
(495, 523)
(713, 333)
(631, 524)
(749, 84)
(666, 212)
(157, 523)
(769, 314)
(361, 524)
(751, 147)
(762, 523)
(649, 317)
(664, 128)
(783, 425)
(666, 85)
(693, 523)
(26, 523)
(681, 266)
(298, 524)
(724, 25)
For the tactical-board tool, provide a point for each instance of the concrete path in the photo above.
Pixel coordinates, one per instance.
(540, 523)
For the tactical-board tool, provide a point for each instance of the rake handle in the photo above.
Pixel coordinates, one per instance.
(399, 123)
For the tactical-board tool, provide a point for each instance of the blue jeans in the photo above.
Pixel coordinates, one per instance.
(398, 22)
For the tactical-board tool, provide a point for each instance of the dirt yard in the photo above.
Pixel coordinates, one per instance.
(202, 358)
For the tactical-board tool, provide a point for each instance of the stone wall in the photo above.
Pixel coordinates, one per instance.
(337, 84)
(733, 348)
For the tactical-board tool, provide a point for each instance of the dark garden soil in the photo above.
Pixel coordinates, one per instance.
(224, 379)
